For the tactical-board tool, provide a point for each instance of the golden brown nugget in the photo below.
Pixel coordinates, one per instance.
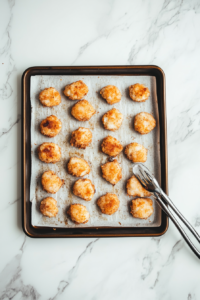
(50, 126)
(78, 167)
(50, 97)
(141, 208)
(84, 189)
(112, 172)
(78, 213)
(111, 94)
(111, 146)
(138, 92)
(48, 207)
(49, 153)
(51, 183)
(76, 90)
(144, 123)
(82, 110)
(81, 138)
(108, 203)
(135, 189)
(136, 152)
(112, 120)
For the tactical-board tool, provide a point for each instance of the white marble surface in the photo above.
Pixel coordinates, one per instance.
(85, 32)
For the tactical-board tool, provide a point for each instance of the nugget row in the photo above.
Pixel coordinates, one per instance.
(84, 189)
(77, 90)
(83, 110)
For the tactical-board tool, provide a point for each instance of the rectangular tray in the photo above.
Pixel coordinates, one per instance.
(34, 231)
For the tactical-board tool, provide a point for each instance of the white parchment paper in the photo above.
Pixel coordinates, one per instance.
(92, 154)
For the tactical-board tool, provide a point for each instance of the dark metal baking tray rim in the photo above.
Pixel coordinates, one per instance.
(49, 232)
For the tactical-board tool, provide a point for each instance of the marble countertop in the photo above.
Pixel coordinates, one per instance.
(85, 32)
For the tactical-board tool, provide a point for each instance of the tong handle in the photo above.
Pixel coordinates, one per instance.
(178, 226)
(179, 214)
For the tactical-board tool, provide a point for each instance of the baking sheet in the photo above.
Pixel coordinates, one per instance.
(92, 154)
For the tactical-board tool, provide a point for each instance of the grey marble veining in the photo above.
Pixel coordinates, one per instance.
(160, 32)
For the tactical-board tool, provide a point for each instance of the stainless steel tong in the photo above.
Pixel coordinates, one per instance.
(150, 183)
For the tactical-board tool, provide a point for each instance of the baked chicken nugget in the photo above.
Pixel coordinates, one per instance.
(82, 110)
(76, 90)
(111, 94)
(50, 97)
(81, 138)
(112, 120)
(108, 203)
(135, 189)
(50, 126)
(111, 146)
(51, 183)
(49, 152)
(141, 208)
(78, 167)
(138, 92)
(136, 152)
(48, 207)
(84, 189)
(144, 123)
(78, 213)
(111, 171)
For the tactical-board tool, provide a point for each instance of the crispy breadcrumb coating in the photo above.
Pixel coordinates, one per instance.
(144, 123)
(48, 207)
(78, 213)
(82, 110)
(81, 138)
(135, 189)
(84, 189)
(141, 208)
(138, 92)
(111, 171)
(50, 97)
(49, 152)
(76, 90)
(108, 203)
(50, 126)
(78, 167)
(111, 94)
(111, 146)
(51, 183)
(112, 120)
(136, 152)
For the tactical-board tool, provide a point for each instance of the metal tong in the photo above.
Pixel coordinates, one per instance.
(150, 184)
